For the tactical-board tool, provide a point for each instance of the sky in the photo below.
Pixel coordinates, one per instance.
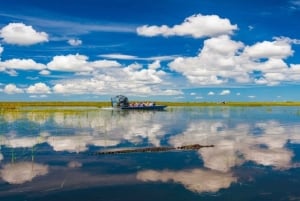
(168, 50)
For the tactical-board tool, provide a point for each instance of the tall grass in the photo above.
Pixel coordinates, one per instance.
(4, 106)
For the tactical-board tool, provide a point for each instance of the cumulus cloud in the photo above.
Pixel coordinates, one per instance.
(223, 60)
(21, 34)
(110, 76)
(69, 63)
(215, 64)
(155, 65)
(197, 26)
(22, 64)
(78, 63)
(225, 92)
(19, 173)
(280, 48)
(74, 42)
(38, 88)
(12, 89)
(196, 180)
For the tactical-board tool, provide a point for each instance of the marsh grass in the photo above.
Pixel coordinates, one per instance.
(237, 104)
(66, 106)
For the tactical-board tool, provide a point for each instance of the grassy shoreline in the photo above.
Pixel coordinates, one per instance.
(16, 105)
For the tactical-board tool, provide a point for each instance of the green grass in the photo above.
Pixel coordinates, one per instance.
(20, 105)
(238, 104)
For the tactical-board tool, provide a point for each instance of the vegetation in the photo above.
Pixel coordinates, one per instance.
(238, 104)
(14, 105)
(20, 105)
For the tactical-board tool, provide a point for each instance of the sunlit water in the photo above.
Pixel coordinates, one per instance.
(51, 155)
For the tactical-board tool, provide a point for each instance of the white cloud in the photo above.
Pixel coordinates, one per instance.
(118, 56)
(131, 79)
(22, 64)
(21, 34)
(197, 26)
(215, 64)
(104, 64)
(155, 65)
(223, 60)
(279, 48)
(44, 72)
(78, 63)
(75, 42)
(211, 93)
(225, 92)
(70, 63)
(132, 57)
(12, 89)
(38, 96)
(38, 88)
(11, 72)
(171, 92)
(19, 173)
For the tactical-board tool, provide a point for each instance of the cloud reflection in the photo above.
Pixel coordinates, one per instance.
(236, 145)
(18, 173)
(196, 180)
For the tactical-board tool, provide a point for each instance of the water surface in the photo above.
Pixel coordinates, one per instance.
(52, 154)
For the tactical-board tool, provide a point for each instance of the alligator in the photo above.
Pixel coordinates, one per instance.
(153, 149)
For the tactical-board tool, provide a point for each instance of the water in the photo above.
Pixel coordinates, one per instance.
(52, 154)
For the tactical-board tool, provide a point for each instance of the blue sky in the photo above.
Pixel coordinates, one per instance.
(171, 50)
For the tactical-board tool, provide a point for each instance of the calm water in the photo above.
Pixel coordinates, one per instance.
(51, 155)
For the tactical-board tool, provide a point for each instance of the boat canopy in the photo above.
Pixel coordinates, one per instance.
(119, 101)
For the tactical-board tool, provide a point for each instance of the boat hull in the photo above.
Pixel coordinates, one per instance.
(155, 107)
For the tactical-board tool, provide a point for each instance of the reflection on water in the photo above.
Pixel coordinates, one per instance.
(44, 154)
(21, 172)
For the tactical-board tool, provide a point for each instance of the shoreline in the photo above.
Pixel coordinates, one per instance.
(19, 104)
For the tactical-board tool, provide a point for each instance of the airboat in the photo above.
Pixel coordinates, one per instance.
(122, 102)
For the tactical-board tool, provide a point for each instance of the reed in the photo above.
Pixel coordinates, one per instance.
(4, 106)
